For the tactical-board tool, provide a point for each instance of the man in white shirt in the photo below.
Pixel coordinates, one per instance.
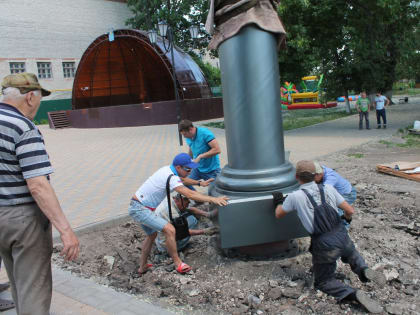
(150, 195)
(381, 102)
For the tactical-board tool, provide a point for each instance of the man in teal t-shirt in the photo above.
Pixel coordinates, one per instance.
(363, 107)
(204, 149)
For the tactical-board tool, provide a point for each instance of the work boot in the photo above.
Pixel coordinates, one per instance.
(374, 276)
(384, 126)
(371, 305)
(379, 127)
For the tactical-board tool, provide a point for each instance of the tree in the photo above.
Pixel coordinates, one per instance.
(180, 15)
(389, 26)
(298, 59)
(212, 74)
(357, 44)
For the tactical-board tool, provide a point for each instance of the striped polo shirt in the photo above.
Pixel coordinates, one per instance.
(22, 156)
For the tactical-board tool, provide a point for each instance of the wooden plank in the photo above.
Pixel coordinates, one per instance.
(391, 171)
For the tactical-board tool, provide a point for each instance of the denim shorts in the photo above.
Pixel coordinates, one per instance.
(196, 174)
(351, 196)
(148, 220)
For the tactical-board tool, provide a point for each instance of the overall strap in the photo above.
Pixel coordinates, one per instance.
(168, 196)
(321, 191)
(311, 199)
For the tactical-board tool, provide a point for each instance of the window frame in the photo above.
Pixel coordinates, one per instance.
(71, 69)
(45, 69)
(14, 70)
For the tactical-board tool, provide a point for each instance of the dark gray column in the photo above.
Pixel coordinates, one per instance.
(252, 111)
(254, 136)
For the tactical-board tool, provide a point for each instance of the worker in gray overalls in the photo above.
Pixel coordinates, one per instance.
(316, 206)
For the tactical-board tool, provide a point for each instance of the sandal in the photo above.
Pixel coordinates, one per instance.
(6, 305)
(183, 268)
(148, 268)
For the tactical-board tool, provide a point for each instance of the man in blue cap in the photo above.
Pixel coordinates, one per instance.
(151, 194)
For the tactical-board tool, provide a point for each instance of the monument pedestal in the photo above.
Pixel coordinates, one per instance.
(257, 165)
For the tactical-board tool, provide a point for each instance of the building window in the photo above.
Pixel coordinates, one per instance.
(69, 69)
(17, 67)
(44, 70)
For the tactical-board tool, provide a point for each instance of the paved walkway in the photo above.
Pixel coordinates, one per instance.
(77, 296)
(98, 170)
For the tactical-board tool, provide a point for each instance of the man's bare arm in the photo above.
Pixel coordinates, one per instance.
(347, 208)
(214, 150)
(45, 197)
(189, 181)
(198, 212)
(280, 213)
(194, 195)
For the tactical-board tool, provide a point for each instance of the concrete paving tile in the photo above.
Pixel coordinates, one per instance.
(124, 312)
(139, 307)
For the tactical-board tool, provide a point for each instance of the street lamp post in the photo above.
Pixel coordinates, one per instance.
(166, 31)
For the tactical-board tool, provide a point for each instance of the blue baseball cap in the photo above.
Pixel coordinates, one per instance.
(183, 159)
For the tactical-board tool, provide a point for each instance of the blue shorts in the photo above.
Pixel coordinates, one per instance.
(148, 220)
(197, 175)
(351, 196)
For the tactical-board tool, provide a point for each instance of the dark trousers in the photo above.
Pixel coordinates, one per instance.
(26, 248)
(366, 116)
(324, 264)
(381, 113)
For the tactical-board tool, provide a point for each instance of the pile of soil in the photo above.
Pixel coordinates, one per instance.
(385, 229)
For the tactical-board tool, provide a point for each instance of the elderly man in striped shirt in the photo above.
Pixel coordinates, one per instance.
(27, 200)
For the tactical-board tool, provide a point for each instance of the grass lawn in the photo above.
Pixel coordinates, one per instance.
(410, 91)
(294, 119)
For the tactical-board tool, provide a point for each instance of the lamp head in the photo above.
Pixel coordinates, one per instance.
(152, 36)
(163, 28)
(194, 31)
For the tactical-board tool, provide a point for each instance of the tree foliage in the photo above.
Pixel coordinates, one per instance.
(212, 74)
(180, 15)
(356, 44)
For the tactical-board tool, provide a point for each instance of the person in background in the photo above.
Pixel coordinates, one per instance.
(380, 103)
(363, 107)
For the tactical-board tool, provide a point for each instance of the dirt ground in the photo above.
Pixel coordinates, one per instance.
(385, 229)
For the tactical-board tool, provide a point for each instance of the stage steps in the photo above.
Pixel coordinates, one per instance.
(58, 120)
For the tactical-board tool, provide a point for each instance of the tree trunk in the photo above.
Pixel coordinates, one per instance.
(346, 97)
(371, 98)
(388, 94)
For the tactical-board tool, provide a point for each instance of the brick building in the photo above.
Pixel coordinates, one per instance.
(48, 37)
